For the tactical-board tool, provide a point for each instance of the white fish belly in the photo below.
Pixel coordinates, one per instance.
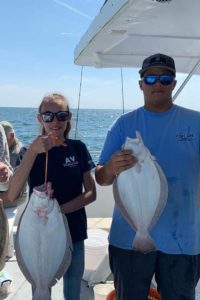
(42, 244)
(140, 193)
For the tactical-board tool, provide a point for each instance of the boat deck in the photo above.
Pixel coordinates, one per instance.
(20, 288)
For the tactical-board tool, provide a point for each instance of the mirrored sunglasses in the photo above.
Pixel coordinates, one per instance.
(61, 116)
(164, 79)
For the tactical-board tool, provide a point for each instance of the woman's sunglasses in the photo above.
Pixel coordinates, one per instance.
(61, 116)
(164, 79)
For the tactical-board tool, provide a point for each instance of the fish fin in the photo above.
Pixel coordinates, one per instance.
(143, 242)
(67, 256)
(119, 204)
(41, 293)
(138, 136)
(18, 253)
(163, 195)
(22, 265)
(152, 157)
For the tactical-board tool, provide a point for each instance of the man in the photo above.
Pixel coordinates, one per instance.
(13, 143)
(172, 134)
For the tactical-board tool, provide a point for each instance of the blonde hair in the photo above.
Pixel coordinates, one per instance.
(55, 97)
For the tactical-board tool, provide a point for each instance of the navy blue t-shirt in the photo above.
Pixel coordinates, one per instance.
(66, 166)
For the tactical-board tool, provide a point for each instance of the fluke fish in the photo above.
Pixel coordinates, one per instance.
(43, 243)
(141, 193)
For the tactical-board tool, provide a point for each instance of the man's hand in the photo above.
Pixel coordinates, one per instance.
(121, 161)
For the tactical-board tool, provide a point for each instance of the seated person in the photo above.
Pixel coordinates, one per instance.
(14, 143)
(6, 172)
(14, 146)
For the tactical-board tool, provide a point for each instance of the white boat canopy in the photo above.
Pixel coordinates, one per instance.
(127, 31)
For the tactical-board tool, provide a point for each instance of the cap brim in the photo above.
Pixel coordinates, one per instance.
(141, 71)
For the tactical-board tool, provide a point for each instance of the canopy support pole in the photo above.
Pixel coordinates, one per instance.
(186, 80)
(79, 97)
(122, 82)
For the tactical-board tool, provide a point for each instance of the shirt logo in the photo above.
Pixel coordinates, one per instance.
(70, 162)
(185, 136)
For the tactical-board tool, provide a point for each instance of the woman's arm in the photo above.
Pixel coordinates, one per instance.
(39, 145)
(20, 176)
(88, 196)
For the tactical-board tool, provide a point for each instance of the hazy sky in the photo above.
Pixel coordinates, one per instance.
(37, 41)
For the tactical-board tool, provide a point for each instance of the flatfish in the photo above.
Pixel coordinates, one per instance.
(141, 193)
(4, 235)
(43, 242)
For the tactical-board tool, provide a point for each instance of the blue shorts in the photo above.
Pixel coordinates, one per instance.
(176, 275)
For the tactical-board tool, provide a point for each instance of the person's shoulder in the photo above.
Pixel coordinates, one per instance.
(22, 151)
(130, 114)
(187, 111)
(20, 155)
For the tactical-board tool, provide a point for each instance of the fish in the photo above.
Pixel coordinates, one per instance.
(141, 193)
(4, 235)
(43, 242)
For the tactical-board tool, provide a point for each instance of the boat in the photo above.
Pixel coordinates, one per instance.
(125, 32)
(122, 35)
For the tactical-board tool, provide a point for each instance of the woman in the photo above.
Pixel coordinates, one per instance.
(69, 170)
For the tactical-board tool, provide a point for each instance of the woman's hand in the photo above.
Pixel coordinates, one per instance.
(44, 143)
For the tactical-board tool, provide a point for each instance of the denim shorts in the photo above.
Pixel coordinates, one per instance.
(176, 275)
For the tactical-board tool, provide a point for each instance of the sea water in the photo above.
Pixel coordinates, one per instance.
(88, 125)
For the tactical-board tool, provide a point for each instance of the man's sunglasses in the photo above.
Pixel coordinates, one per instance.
(164, 79)
(62, 116)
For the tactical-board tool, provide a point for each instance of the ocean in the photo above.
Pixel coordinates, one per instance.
(91, 127)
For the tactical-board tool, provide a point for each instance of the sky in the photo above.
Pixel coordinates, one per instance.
(37, 42)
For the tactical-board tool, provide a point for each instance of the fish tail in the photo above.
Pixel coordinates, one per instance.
(41, 294)
(143, 242)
